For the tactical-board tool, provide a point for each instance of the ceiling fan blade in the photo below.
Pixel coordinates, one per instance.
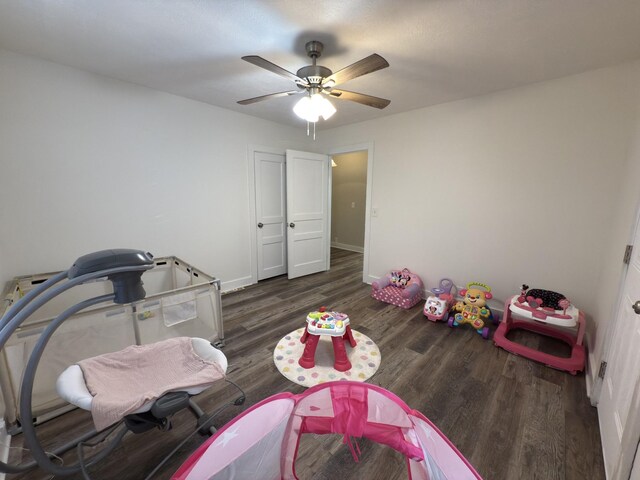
(267, 97)
(272, 67)
(369, 64)
(369, 100)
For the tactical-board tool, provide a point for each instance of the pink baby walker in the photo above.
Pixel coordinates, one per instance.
(547, 313)
(437, 306)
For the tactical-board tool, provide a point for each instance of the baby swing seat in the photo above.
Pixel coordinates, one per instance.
(121, 388)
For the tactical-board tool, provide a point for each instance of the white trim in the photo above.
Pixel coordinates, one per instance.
(251, 190)
(368, 147)
(329, 212)
(350, 248)
(237, 283)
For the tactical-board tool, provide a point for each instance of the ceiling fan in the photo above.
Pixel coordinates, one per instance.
(316, 81)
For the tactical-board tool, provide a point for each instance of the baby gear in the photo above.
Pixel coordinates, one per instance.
(124, 268)
(437, 306)
(547, 313)
(263, 441)
(402, 288)
(473, 309)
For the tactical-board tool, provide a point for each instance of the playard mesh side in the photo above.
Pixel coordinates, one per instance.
(263, 441)
(181, 301)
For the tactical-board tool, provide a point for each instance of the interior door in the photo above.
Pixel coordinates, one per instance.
(308, 194)
(270, 214)
(617, 405)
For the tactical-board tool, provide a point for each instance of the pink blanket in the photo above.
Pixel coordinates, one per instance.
(121, 382)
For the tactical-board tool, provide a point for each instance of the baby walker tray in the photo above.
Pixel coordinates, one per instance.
(546, 313)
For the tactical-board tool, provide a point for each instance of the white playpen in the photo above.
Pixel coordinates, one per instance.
(181, 301)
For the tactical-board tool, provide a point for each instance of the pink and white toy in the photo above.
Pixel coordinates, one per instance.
(402, 288)
(437, 306)
(334, 324)
(546, 313)
(263, 441)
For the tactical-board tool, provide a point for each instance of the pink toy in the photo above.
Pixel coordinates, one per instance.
(437, 307)
(334, 324)
(402, 288)
(263, 441)
(547, 313)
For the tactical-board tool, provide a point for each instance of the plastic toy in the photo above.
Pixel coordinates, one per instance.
(402, 288)
(437, 306)
(334, 324)
(543, 311)
(473, 309)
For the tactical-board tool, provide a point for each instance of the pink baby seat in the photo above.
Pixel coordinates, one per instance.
(402, 288)
(263, 441)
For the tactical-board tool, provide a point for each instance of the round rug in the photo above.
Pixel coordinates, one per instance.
(364, 358)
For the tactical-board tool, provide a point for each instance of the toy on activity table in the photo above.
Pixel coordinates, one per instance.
(437, 306)
(473, 309)
(543, 311)
(334, 324)
(402, 288)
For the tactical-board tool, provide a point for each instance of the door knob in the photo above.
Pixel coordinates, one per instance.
(260, 225)
(292, 225)
(636, 307)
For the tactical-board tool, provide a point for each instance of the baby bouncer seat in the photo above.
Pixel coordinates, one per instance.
(133, 390)
(402, 288)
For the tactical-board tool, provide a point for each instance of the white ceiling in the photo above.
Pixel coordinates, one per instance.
(439, 50)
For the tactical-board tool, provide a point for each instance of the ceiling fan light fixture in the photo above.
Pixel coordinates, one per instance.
(311, 108)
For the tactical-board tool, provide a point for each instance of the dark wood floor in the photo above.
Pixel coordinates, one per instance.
(511, 418)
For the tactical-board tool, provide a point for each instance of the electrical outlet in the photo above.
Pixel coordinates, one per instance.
(353, 204)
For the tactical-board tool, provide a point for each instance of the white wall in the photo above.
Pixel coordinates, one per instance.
(89, 163)
(509, 188)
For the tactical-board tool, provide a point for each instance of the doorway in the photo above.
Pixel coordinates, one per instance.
(365, 150)
(348, 200)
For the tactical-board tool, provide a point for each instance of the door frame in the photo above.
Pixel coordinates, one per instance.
(359, 147)
(251, 186)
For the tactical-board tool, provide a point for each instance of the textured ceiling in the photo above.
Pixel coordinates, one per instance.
(439, 50)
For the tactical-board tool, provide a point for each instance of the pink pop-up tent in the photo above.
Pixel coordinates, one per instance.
(262, 442)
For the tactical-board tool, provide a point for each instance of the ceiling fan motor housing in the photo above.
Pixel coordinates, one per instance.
(314, 48)
(314, 73)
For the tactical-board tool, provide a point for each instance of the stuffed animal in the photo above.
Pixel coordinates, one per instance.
(400, 279)
(473, 309)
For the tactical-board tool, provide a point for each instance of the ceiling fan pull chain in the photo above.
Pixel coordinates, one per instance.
(314, 131)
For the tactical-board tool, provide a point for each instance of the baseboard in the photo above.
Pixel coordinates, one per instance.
(344, 246)
(235, 284)
(593, 384)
